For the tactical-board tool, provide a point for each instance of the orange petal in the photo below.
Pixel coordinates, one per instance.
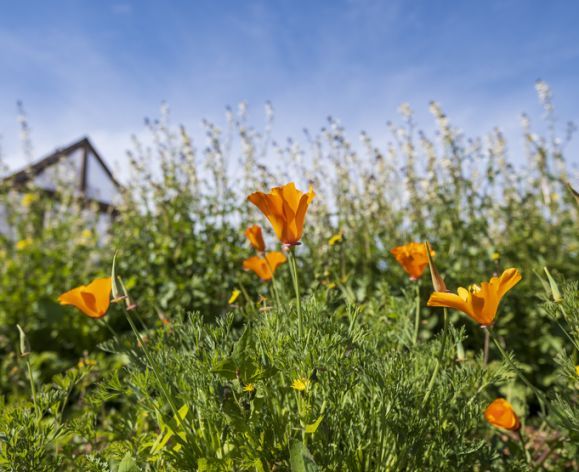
(301, 214)
(93, 299)
(259, 266)
(272, 207)
(101, 289)
(72, 297)
(274, 259)
(450, 300)
(290, 194)
(255, 237)
(508, 279)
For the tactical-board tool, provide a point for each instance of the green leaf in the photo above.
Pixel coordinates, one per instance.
(128, 464)
(169, 430)
(312, 428)
(300, 458)
(241, 344)
(554, 287)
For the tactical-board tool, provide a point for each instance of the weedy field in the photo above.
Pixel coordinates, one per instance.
(412, 307)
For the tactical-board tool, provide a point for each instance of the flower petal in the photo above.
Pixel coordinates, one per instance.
(450, 300)
(508, 279)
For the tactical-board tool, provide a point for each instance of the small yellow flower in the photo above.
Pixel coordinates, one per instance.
(86, 363)
(336, 238)
(28, 199)
(249, 388)
(301, 384)
(495, 256)
(234, 296)
(23, 244)
(577, 369)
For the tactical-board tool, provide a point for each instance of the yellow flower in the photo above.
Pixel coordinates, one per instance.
(86, 234)
(285, 208)
(86, 363)
(249, 388)
(301, 384)
(480, 303)
(577, 369)
(92, 299)
(23, 244)
(234, 296)
(413, 258)
(28, 199)
(500, 413)
(336, 238)
(495, 256)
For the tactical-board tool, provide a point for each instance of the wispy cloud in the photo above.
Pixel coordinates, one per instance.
(101, 70)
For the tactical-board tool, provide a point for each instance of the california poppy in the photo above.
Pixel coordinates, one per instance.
(255, 236)
(92, 299)
(265, 267)
(480, 303)
(413, 258)
(285, 208)
(500, 413)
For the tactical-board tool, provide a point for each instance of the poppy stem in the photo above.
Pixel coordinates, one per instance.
(526, 452)
(275, 292)
(32, 388)
(417, 316)
(294, 274)
(540, 396)
(486, 346)
(273, 283)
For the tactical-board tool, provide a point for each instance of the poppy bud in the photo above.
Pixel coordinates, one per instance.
(24, 344)
(437, 280)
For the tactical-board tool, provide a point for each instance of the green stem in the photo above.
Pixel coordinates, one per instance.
(417, 316)
(486, 346)
(438, 360)
(273, 283)
(32, 388)
(111, 330)
(567, 333)
(540, 396)
(528, 459)
(294, 274)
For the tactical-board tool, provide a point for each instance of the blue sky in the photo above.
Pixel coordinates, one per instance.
(98, 68)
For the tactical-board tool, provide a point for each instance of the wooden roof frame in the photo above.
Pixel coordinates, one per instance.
(25, 175)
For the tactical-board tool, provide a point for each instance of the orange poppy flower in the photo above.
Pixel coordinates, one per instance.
(255, 236)
(413, 258)
(479, 303)
(285, 208)
(92, 299)
(265, 267)
(500, 413)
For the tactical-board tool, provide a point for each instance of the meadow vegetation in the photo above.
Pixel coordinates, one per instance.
(324, 356)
